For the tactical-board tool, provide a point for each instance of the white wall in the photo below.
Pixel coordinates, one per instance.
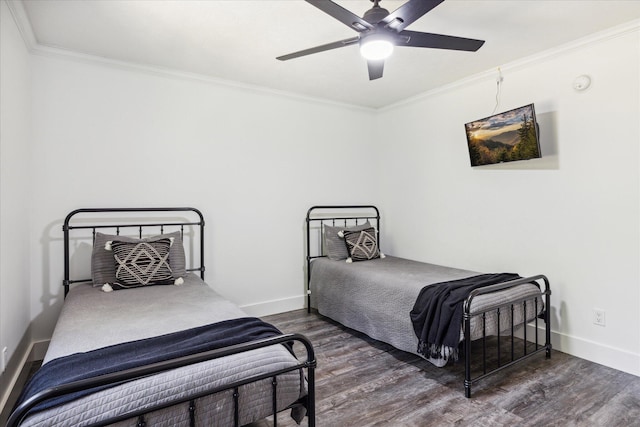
(14, 199)
(252, 162)
(572, 215)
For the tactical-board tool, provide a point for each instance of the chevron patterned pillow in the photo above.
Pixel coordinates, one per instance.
(142, 264)
(362, 245)
(102, 266)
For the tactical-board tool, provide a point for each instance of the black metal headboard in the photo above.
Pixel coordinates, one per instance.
(138, 219)
(334, 215)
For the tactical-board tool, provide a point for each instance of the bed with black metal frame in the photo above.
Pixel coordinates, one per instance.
(231, 385)
(376, 297)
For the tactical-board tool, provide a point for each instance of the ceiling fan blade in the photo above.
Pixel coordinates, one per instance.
(328, 46)
(348, 18)
(375, 68)
(440, 41)
(408, 13)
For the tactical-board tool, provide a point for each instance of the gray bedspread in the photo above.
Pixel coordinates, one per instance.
(92, 319)
(375, 297)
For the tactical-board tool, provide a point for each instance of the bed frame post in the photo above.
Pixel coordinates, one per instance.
(65, 229)
(202, 267)
(308, 263)
(467, 354)
(547, 317)
(65, 281)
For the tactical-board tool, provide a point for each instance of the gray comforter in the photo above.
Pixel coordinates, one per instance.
(92, 319)
(375, 297)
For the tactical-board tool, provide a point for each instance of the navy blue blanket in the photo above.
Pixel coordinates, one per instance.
(437, 313)
(134, 354)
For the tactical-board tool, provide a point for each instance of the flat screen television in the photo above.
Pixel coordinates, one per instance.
(505, 137)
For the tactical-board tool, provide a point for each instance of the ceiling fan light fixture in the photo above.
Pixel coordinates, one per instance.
(379, 31)
(376, 48)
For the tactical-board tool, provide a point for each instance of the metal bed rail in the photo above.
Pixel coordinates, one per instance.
(468, 314)
(140, 225)
(118, 378)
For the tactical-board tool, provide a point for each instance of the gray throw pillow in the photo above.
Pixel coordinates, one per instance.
(103, 268)
(334, 244)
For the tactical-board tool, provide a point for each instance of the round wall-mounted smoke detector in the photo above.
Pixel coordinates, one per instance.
(582, 82)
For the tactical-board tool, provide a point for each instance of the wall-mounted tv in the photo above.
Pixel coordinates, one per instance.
(505, 137)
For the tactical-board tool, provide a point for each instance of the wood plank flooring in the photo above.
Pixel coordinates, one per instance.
(363, 382)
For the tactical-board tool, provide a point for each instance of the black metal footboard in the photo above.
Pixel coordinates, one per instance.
(122, 377)
(514, 355)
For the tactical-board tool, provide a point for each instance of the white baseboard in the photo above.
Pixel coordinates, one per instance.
(613, 357)
(15, 368)
(275, 306)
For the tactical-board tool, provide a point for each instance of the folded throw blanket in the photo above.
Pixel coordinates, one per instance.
(437, 313)
(120, 357)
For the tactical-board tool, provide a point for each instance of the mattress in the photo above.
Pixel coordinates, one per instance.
(376, 296)
(92, 319)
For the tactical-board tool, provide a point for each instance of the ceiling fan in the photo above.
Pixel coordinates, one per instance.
(379, 31)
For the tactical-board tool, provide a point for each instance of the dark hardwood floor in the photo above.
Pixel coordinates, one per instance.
(362, 382)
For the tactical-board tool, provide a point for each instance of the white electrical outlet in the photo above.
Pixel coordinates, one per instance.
(4, 358)
(599, 317)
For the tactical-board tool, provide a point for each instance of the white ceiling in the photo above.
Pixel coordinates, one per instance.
(238, 40)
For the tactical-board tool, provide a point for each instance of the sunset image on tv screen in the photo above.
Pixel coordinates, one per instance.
(504, 137)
